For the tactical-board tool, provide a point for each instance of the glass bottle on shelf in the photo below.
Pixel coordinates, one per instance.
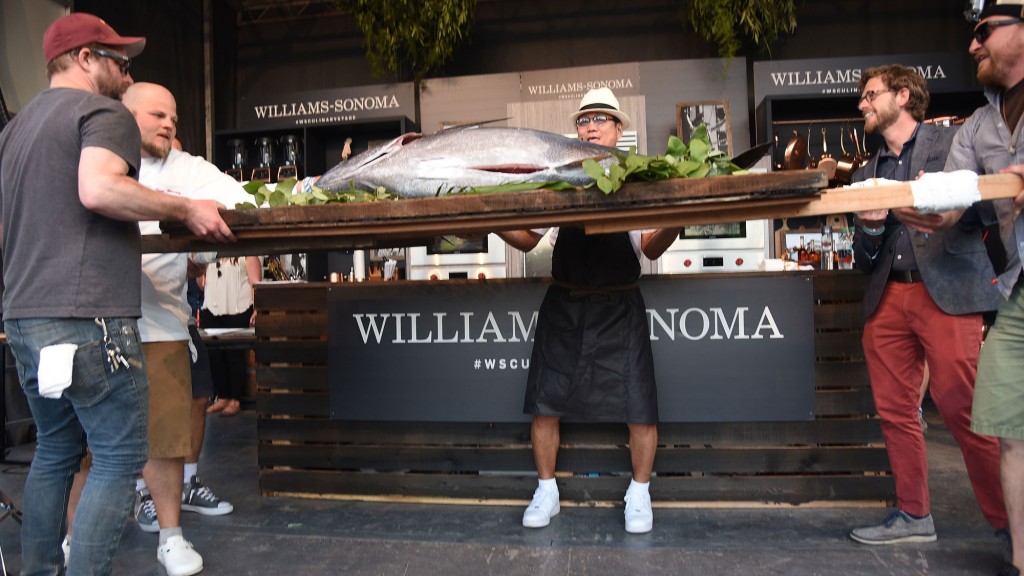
(827, 258)
(801, 253)
(844, 250)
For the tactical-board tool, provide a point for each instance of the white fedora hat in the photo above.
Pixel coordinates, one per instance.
(601, 100)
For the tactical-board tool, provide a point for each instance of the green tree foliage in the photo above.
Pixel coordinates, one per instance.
(728, 23)
(412, 37)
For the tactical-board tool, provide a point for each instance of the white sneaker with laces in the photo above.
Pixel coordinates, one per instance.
(639, 516)
(178, 557)
(541, 509)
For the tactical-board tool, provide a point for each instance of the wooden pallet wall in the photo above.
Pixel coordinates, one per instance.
(839, 457)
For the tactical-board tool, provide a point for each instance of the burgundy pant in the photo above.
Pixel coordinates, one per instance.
(906, 329)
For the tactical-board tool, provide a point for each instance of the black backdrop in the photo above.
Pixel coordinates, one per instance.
(300, 54)
(173, 56)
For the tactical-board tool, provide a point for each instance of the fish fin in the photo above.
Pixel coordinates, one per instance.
(338, 177)
(473, 125)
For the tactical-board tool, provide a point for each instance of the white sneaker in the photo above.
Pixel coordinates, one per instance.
(541, 509)
(639, 517)
(178, 557)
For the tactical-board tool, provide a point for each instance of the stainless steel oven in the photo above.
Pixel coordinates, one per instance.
(727, 247)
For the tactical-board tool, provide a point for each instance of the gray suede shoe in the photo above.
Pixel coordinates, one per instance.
(897, 527)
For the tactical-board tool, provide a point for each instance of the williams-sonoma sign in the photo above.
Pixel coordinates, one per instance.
(831, 76)
(725, 349)
(336, 106)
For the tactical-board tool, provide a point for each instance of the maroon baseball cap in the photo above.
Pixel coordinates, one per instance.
(78, 29)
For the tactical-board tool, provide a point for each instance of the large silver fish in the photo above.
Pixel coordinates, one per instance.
(416, 166)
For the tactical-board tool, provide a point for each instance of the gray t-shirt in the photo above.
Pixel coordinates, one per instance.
(61, 260)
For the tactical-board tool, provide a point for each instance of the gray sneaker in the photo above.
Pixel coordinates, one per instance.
(145, 512)
(196, 497)
(897, 527)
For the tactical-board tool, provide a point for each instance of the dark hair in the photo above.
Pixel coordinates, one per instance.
(897, 77)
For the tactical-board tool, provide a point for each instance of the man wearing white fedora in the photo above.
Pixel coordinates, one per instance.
(592, 355)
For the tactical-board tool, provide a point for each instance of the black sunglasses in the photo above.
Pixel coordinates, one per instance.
(123, 62)
(219, 274)
(985, 29)
(597, 119)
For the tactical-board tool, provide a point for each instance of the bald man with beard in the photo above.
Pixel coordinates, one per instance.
(163, 327)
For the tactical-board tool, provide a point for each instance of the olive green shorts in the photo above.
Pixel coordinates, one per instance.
(999, 391)
(170, 398)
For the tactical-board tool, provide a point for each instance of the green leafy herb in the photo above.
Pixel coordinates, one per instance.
(281, 196)
(694, 160)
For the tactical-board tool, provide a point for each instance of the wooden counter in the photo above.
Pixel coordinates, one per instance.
(836, 458)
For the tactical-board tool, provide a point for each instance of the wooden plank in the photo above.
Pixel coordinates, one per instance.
(365, 225)
(575, 460)
(838, 345)
(293, 325)
(311, 378)
(822, 432)
(841, 375)
(838, 316)
(856, 402)
(601, 490)
(840, 286)
(291, 352)
(832, 201)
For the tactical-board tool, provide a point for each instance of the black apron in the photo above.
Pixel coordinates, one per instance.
(592, 355)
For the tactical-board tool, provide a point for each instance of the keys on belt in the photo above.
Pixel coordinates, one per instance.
(905, 276)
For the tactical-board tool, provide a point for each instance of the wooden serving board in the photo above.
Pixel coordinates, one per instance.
(666, 203)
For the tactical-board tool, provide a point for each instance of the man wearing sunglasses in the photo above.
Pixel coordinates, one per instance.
(991, 141)
(924, 302)
(71, 275)
(577, 368)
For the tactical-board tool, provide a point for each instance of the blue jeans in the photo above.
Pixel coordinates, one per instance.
(102, 409)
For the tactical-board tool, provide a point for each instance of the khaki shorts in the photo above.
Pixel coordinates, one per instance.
(999, 391)
(170, 398)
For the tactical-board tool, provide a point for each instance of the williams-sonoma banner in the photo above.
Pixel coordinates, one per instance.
(725, 349)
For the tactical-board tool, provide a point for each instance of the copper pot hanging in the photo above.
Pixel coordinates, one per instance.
(848, 162)
(796, 152)
(826, 162)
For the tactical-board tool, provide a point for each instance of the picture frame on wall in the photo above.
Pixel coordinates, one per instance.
(712, 113)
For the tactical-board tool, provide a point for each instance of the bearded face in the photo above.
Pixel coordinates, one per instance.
(883, 114)
(999, 62)
(110, 82)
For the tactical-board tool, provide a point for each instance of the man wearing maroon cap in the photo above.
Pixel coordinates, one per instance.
(71, 275)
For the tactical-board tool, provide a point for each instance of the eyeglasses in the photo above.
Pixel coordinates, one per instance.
(219, 274)
(870, 95)
(123, 62)
(598, 120)
(985, 29)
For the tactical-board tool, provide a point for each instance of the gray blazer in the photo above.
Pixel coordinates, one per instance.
(953, 263)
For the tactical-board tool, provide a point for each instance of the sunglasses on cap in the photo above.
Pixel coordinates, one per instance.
(597, 119)
(985, 29)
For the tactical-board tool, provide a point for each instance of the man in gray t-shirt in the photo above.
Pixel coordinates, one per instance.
(71, 274)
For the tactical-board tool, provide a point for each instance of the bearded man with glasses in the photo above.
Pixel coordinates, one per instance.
(923, 304)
